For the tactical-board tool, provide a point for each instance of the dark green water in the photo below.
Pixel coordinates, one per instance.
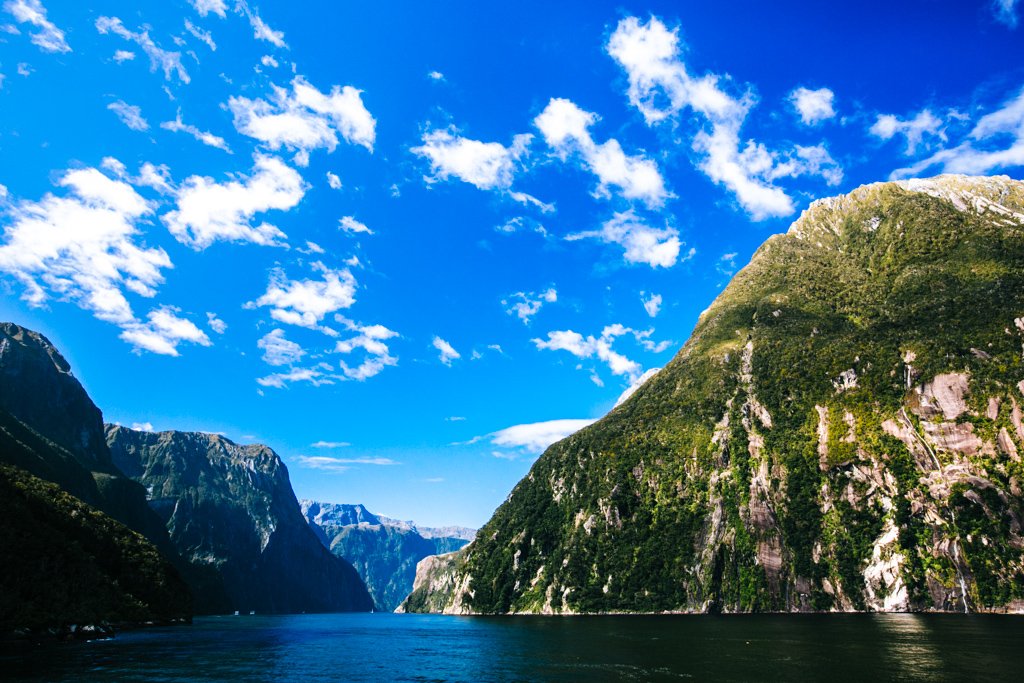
(386, 647)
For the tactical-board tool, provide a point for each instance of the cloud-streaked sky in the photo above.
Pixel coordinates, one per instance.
(407, 245)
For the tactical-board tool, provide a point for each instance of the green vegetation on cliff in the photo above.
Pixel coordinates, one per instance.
(841, 432)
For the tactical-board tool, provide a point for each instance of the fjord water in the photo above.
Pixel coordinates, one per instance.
(387, 647)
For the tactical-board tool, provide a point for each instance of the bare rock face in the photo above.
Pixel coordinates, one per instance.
(842, 432)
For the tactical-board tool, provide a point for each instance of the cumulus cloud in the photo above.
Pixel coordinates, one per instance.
(371, 340)
(205, 137)
(814, 106)
(995, 142)
(652, 304)
(277, 350)
(528, 304)
(601, 347)
(48, 37)
(447, 352)
(121, 56)
(642, 243)
(216, 324)
(333, 181)
(305, 303)
(163, 331)
(435, 76)
(330, 444)
(204, 7)
(208, 211)
(661, 87)
(486, 165)
(304, 119)
(142, 426)
(535, 437)
(84, 247)
(167, 61)
(351, 225)
(566, 129)
(130, 115)
(914, 130)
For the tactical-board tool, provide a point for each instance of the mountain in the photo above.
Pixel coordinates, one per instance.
(230, 509)
(842, 431)
(72, 526)
(66, 563)
(60, 430)
(384, 551)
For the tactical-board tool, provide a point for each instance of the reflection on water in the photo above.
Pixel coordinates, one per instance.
(382, 647)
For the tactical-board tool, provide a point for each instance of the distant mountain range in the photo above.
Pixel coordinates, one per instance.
(842, 432)
(384, 551)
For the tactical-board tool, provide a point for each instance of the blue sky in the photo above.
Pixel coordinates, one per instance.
(407, 245)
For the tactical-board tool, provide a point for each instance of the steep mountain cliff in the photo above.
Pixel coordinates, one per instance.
(230, 509)
(842, 431)
(60, 431)
(70, 521)
(384, 551)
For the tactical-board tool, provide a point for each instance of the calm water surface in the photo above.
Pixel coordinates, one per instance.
(387, 647)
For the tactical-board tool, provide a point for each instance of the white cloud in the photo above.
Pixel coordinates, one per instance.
(351, 225)
(83, 247)
(537, 436)
(168, 62)
(208, 211)
(48, 38)
(814, 106)
(163, 331)
(305, 303)
(261, 31)
(657, 247)
(121, 56)
(652, 305)
(130, 115)
(1005, 12)
(305, 119)
(328, 464)
(995, 142)
(435, 76)
(333, 181)
(636, 384)
(279, 351)
(279, 380)
(207, 138)
(157, 177)
(527, 199)
(726, 264)
(268, 60)
(25, 69)
(201, 35)
(660, 87)
(914, 130)
(455, 418)
(142, 426)
(447, 352)
(204, 7)
(216, 324)
(486, 165)
(330, 444)
(601, 347)
(528, 304)
(371, 340)
(565, 128)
